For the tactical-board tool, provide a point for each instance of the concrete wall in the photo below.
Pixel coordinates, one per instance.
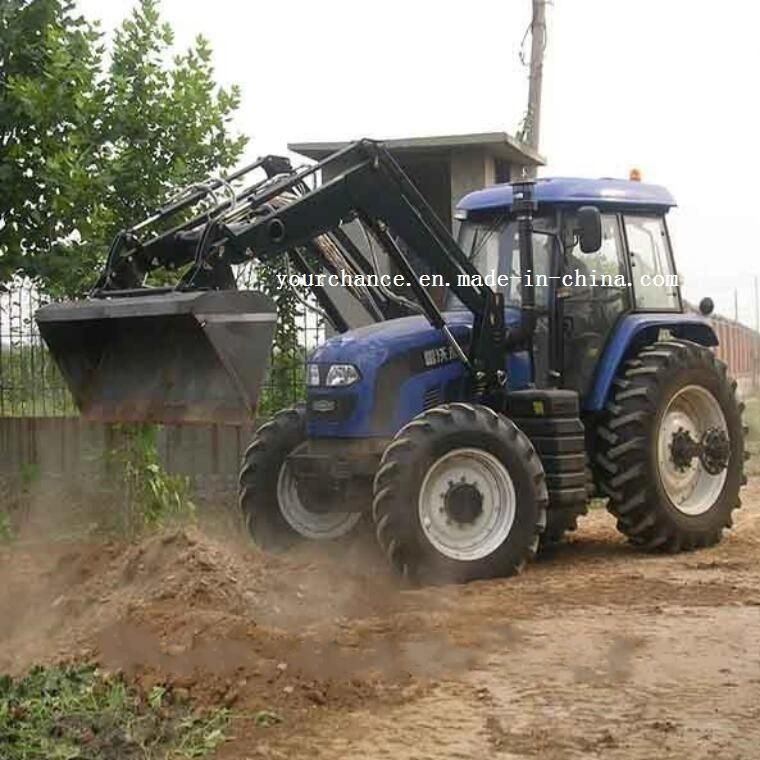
(67, 448)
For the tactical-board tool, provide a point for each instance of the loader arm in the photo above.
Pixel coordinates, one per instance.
(283, 216)
(198, 350)
(376, 191)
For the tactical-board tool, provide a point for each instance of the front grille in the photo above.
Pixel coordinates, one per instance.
(330, 407)
(431, 398)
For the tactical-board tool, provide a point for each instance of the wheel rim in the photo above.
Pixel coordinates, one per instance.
(317, 526)
(451, 523)
(691, 489)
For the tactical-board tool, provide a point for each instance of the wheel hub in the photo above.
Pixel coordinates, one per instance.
(693, 450)
(467, 504)
(716, 449)
(683, 449)
(318, 497)
(463, 502)
(314, 524)
(713, 450)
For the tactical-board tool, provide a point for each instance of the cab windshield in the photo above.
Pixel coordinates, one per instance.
(493, 248)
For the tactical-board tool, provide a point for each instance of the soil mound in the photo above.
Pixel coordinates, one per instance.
(214, 618)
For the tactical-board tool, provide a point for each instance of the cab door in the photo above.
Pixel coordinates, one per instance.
(594, 293)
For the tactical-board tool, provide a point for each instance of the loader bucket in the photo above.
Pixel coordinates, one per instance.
(175, 357)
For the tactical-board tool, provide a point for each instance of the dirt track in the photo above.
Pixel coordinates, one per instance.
(595, 651)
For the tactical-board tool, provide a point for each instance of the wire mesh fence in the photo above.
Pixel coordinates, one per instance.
(297, 335)
(30, 383)
(32, 386)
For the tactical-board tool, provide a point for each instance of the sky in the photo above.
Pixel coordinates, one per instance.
(662, 85)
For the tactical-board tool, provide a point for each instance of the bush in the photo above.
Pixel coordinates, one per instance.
(153, 497)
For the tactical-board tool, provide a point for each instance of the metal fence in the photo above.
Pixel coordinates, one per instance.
(32, 386)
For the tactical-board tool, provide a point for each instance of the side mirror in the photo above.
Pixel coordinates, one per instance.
(589, 229)
(706, 307)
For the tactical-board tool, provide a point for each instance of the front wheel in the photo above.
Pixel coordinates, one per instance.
(460, 495)
(274, 512)
(670, 447)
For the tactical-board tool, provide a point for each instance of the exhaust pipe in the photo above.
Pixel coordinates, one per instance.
(524, 205)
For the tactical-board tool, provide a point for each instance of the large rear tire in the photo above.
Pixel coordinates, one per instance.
(670, 448)
(460, 494)
(274, 514)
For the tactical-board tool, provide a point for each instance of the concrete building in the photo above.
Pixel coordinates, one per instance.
(448, 167)
(444, 169)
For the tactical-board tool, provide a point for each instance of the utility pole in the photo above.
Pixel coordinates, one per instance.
(736, 304)
(532, 128)
(757, 308)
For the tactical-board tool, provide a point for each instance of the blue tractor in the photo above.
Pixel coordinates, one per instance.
(471, 421)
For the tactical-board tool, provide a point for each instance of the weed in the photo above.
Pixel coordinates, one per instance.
(80, 712)
(152, 495)
(752, 442)
(6, 528)
(266, 718)
(752, 418)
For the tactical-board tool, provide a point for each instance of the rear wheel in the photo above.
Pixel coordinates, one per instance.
(273, 510)
(460, 494)
(671, 447)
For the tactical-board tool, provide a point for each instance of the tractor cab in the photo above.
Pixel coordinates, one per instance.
(601, 250)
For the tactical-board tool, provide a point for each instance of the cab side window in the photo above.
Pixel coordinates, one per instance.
(603, 269)
(654, 281)
(509, 257)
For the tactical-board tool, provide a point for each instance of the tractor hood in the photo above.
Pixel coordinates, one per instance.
(371, 346)
(405, 366)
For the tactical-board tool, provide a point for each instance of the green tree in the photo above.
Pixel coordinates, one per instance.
(90, 143)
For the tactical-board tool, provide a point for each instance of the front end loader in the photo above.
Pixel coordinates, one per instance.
(561, 363)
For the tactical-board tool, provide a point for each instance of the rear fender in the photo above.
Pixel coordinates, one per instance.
(635, 331)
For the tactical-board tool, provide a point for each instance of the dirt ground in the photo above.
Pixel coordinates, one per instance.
(595, 651)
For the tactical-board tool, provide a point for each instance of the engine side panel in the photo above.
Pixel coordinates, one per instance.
(405, 366)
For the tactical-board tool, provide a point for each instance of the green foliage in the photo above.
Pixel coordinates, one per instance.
(79, 712)
(6, 528)
(153, 496)
(15, 496)
(31, 382)
(285, 384)
(90, 145)
(751, 418)
(266, 718)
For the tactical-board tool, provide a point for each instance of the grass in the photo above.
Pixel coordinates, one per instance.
(752, 421)
(80, 713)
(752, 417)
(6, 528)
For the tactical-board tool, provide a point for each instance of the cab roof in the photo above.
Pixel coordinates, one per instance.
(604, 193)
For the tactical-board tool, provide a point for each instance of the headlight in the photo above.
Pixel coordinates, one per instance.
(312, 374)
(341, 374)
